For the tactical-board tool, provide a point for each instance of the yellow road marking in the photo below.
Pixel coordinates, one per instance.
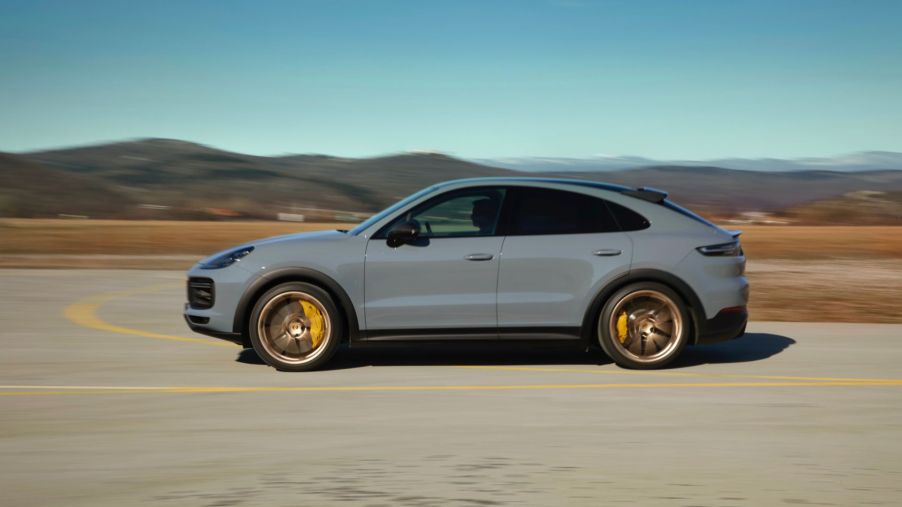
(84, 313)
(12, 390)
(677, 374)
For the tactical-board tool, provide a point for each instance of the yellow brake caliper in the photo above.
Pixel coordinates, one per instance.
(316, 322)
(621, 327)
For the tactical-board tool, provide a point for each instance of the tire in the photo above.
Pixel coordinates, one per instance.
(644, 326)
(296, 326)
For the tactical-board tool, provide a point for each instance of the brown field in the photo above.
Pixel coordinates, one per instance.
(798, 273)
(137, 237)
(822, 242)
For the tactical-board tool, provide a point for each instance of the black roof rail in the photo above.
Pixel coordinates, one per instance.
(648, 194)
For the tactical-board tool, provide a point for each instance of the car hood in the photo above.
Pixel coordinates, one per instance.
(300, 238)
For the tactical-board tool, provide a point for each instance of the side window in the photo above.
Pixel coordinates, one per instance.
(628, 219)
(459, 214)
(545, 211)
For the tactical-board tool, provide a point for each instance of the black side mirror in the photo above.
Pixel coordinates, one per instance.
(405, 232)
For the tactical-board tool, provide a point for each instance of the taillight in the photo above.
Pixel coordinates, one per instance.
(731, 249)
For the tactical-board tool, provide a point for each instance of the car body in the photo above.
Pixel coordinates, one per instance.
(485, 259)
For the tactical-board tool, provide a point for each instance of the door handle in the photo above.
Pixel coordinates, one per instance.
(479, 257)
(607, 252)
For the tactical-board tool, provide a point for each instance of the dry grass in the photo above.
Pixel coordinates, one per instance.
(137, 237)
(822, 242)
(863, 290)
(816, 273)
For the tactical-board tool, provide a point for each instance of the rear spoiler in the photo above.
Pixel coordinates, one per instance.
(733, 232)
(648, 194)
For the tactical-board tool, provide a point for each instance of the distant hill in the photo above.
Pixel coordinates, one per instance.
(162, 178)
(861, 161)
(855, 208)
(31, 189)
(190, 178)
(721, 191)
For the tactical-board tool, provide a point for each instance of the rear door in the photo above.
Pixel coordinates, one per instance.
(561, 246)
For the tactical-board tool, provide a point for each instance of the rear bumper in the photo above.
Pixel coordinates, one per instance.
(726, 325)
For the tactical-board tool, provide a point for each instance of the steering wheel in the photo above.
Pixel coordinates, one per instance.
(428, 228)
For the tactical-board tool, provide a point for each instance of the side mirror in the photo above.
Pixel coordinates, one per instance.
(405, 232)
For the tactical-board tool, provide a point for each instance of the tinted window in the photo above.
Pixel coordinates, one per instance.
(628, 219)
(545, 211)
(471, 212)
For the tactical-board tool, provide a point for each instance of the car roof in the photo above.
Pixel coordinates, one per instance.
(500, 180)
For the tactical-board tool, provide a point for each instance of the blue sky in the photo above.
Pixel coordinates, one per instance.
(668, 79)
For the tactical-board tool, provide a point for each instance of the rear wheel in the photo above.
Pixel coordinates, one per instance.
(295, 327)
(644, 326)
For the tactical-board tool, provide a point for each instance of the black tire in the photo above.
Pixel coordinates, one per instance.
(644, 294)
(267, 347)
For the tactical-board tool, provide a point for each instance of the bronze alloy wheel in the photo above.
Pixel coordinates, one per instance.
(294, 327)
(645, 326)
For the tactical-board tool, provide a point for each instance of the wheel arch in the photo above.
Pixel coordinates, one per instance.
(694, 304)
(262, 284)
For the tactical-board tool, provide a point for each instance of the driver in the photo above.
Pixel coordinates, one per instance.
(484, 213)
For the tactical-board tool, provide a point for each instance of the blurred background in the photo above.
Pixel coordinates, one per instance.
(144, 136)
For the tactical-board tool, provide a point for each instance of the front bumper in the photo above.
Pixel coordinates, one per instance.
(199, 325)
(225, 287)
(726, 325)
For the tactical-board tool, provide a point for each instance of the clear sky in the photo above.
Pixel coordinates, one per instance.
(666, 79)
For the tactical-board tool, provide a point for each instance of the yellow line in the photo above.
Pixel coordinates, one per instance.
(12, 390)
(84, 313)
(676, 374)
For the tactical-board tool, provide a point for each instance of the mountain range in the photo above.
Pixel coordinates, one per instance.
(861, 161)
(164, 178)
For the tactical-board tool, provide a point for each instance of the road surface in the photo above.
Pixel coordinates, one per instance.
(107, 399)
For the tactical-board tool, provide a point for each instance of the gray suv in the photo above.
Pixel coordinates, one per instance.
(484, 259)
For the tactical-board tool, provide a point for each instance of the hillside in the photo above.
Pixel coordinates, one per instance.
(31, 189)
(855, 208)
(165, 179)
(191, 178)
(727, 191)
(860, 161)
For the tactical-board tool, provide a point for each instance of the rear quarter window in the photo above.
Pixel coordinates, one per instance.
(627, 219)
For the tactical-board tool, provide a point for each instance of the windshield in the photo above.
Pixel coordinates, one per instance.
(389, 210)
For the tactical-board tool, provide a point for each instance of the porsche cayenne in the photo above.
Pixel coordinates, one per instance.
(517, 259)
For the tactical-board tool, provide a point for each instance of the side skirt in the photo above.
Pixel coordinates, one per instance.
(473, 334)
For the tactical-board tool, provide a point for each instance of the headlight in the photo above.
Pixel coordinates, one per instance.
(227, 259)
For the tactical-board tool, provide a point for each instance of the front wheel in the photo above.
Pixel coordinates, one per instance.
(643, 326)
(295, 327)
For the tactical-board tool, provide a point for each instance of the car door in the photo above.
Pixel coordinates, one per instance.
(447, 277)
(560, 247)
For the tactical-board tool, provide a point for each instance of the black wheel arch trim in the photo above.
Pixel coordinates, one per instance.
(695, 308)
(284, 275)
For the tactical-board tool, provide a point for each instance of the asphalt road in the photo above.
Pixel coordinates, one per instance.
(107, 399)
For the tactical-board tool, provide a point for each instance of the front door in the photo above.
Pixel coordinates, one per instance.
(447, 277)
